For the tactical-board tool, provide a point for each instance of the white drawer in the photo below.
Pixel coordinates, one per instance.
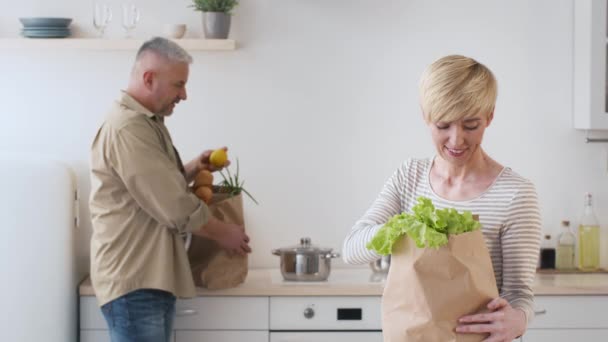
(326, 336)
(570, 312)
(197, 313)
(222, 313)
(566, 335)
(100, 336)
(325, 313)
(221, 336)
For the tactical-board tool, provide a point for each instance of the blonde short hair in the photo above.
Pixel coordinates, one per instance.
(456, 87)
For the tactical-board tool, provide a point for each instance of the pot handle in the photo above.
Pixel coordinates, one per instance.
(330, 255)
(275, 252)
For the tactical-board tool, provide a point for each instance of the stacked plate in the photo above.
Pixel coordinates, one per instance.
(41, 27)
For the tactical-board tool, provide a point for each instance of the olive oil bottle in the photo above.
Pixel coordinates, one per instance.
(566, 243)
(589, 238)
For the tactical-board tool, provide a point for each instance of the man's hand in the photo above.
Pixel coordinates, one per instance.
(503, 323)
(234, 239)
(229, 236)
(202, 163)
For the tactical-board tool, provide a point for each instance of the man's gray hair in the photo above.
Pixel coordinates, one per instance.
(165, 48)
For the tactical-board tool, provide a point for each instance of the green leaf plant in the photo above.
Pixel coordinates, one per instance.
(231, 184)
(224, 6)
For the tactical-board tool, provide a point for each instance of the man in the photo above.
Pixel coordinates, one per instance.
(141, 205)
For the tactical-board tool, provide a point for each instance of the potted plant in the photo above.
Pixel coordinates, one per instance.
(216, 16)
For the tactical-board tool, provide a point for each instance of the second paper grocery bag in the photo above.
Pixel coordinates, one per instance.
(428, 290)
(440, 271)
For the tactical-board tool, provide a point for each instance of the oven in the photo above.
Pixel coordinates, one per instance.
(325, 319)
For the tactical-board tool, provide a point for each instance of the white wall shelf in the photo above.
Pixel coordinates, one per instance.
(111, 44)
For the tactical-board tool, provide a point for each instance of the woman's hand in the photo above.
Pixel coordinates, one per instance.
(503, 323)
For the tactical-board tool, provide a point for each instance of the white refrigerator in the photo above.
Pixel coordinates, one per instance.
(38, 286)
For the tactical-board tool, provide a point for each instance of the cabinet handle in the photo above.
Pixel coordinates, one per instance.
(540, 312)
(187, 312)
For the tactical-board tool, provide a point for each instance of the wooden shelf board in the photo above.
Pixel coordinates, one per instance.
(111, 44)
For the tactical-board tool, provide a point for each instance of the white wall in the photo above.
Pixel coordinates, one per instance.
(319, 102)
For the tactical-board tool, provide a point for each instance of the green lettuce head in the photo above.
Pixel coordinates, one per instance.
(427, 226)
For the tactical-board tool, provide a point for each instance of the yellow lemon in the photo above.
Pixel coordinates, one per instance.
(218, 158)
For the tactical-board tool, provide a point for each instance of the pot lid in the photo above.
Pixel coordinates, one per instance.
(305, 247)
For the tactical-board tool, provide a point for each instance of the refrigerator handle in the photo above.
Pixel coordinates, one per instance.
(76, 210)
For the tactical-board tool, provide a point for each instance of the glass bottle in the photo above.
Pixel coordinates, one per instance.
(547, 253)
(566, 243)
(589, 238)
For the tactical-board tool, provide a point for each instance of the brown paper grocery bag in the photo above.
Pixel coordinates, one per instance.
(427, 290)
(213, 267)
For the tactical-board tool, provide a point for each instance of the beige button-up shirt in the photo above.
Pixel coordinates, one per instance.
(140, 206)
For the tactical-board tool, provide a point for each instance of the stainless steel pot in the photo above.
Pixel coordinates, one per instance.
(305, 262)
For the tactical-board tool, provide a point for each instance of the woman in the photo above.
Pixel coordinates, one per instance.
(458, 95)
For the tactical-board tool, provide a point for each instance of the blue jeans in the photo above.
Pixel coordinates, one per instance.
(141, 316)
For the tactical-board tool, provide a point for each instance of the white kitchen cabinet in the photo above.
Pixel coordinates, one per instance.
(566, 335)
(329, 336)
(569, 318)
(570, 312)
(218, 319)
(221, 336)
(338, 318)
(590, 78)
(222, 313)
(97, 336)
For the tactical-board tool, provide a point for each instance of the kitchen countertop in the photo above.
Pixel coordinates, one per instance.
(361, 282)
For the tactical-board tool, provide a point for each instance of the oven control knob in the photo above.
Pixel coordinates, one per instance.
(309, 313)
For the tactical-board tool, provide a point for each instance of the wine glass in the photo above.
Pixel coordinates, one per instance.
(102, 15)
(130, 17)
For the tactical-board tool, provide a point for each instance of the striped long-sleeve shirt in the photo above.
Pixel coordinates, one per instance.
(508, 211)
